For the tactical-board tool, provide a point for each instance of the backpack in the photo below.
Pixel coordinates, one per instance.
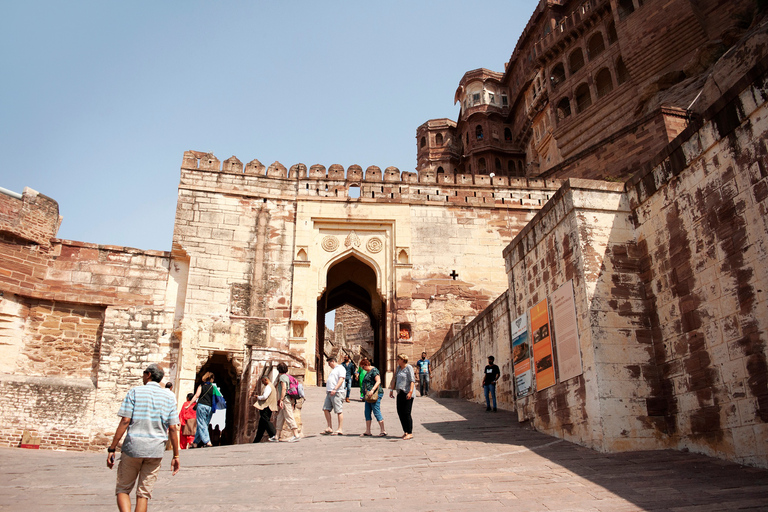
(295, 388)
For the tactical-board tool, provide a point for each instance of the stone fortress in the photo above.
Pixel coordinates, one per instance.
(621, 152)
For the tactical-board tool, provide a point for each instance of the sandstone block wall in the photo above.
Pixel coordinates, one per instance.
(669, 290)
(61, 372)
(463, 357)
(700, 213)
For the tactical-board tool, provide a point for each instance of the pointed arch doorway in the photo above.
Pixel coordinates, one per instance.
(352, 281)
(226, 377)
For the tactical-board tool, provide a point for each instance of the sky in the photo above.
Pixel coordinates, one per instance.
(100, 99)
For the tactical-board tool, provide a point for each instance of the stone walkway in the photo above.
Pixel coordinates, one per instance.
(461, 458)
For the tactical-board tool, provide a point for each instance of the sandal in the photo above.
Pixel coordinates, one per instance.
(383, 434)
(366, 435)
(338, 434)
(327, 432)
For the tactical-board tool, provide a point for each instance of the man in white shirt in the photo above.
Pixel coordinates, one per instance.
(334, 396)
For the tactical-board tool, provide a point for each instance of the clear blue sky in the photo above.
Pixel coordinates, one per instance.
(99, 99)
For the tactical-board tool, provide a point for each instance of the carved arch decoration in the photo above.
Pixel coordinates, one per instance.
(323, 275)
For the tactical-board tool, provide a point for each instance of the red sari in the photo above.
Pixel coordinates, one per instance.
(187, 412)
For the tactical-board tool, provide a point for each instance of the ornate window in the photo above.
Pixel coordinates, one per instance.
(439, 139)
(576, 60)
(479, 132)
(507, 134)
(625, 8)
(423, 142)
(563, 109)
(595, 46)
(603, 82)
(557, 75)
(583, 98)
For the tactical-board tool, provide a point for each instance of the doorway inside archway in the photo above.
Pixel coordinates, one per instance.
(352, 282)
(226, 378)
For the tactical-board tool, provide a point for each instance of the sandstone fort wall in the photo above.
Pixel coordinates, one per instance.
(65, 309)
(669, 292)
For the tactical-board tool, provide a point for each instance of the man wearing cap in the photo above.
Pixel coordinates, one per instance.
(147, 415)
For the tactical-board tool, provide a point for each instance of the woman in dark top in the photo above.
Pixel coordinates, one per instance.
(373, 391)
(204, 398)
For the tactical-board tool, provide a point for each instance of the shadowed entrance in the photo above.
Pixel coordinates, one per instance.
(352, 281)
(225, 377)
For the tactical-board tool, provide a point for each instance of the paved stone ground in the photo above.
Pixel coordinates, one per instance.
(461, 458)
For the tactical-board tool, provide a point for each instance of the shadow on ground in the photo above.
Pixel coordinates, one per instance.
(652, 480)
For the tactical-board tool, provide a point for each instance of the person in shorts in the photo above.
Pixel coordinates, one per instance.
(147, 417)
(334, 396)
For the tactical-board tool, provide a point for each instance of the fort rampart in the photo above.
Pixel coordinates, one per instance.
(669, 292)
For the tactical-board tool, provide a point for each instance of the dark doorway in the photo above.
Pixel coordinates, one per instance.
(352, 281)
(226, 378)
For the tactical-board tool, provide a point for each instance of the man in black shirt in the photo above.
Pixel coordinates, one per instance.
(492, 374)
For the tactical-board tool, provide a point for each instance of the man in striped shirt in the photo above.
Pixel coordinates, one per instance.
(148, 414)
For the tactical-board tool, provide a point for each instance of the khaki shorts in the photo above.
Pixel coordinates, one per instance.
(333, 402)
(130, 469)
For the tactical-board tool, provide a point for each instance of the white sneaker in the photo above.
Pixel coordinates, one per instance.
(273, 439)
(294, 439)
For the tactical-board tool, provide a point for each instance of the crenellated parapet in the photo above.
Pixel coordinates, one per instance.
(390, 185)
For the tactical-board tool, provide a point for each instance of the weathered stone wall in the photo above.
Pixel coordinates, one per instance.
(57, 410)
(700, 211)
(356, 332)
(463, 358)
(61, 339)
(63, 371)
(617, 157)
(668, 288)
(33, 217)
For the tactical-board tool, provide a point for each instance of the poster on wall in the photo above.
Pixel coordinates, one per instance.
(544, 366)
(567, 335)
(521, 356)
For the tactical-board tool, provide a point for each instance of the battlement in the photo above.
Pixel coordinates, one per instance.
(355, 176)
(29, 216)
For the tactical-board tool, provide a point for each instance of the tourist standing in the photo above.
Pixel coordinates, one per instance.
(147, 418)
(403, 383)
(334, 396)
(266, 403)
(204, 400)
(373, 392)
(360, 375)
(491, 375)
(423, 366)
(285, 406)
(188, 421)
(349, 366)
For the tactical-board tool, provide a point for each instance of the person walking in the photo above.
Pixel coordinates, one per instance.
(423, 366)
(266, 403)
(491, 375)
(373, 393)
(403, 383)
(285, 406)
(334, 396)
(147, 418)
(204, 400)
(188, 422)
(349, 366)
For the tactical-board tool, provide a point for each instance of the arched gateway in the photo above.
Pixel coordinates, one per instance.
(260, 255)
(351, 281)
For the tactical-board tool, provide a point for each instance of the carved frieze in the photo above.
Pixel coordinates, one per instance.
(330, 243)
(374, 245)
